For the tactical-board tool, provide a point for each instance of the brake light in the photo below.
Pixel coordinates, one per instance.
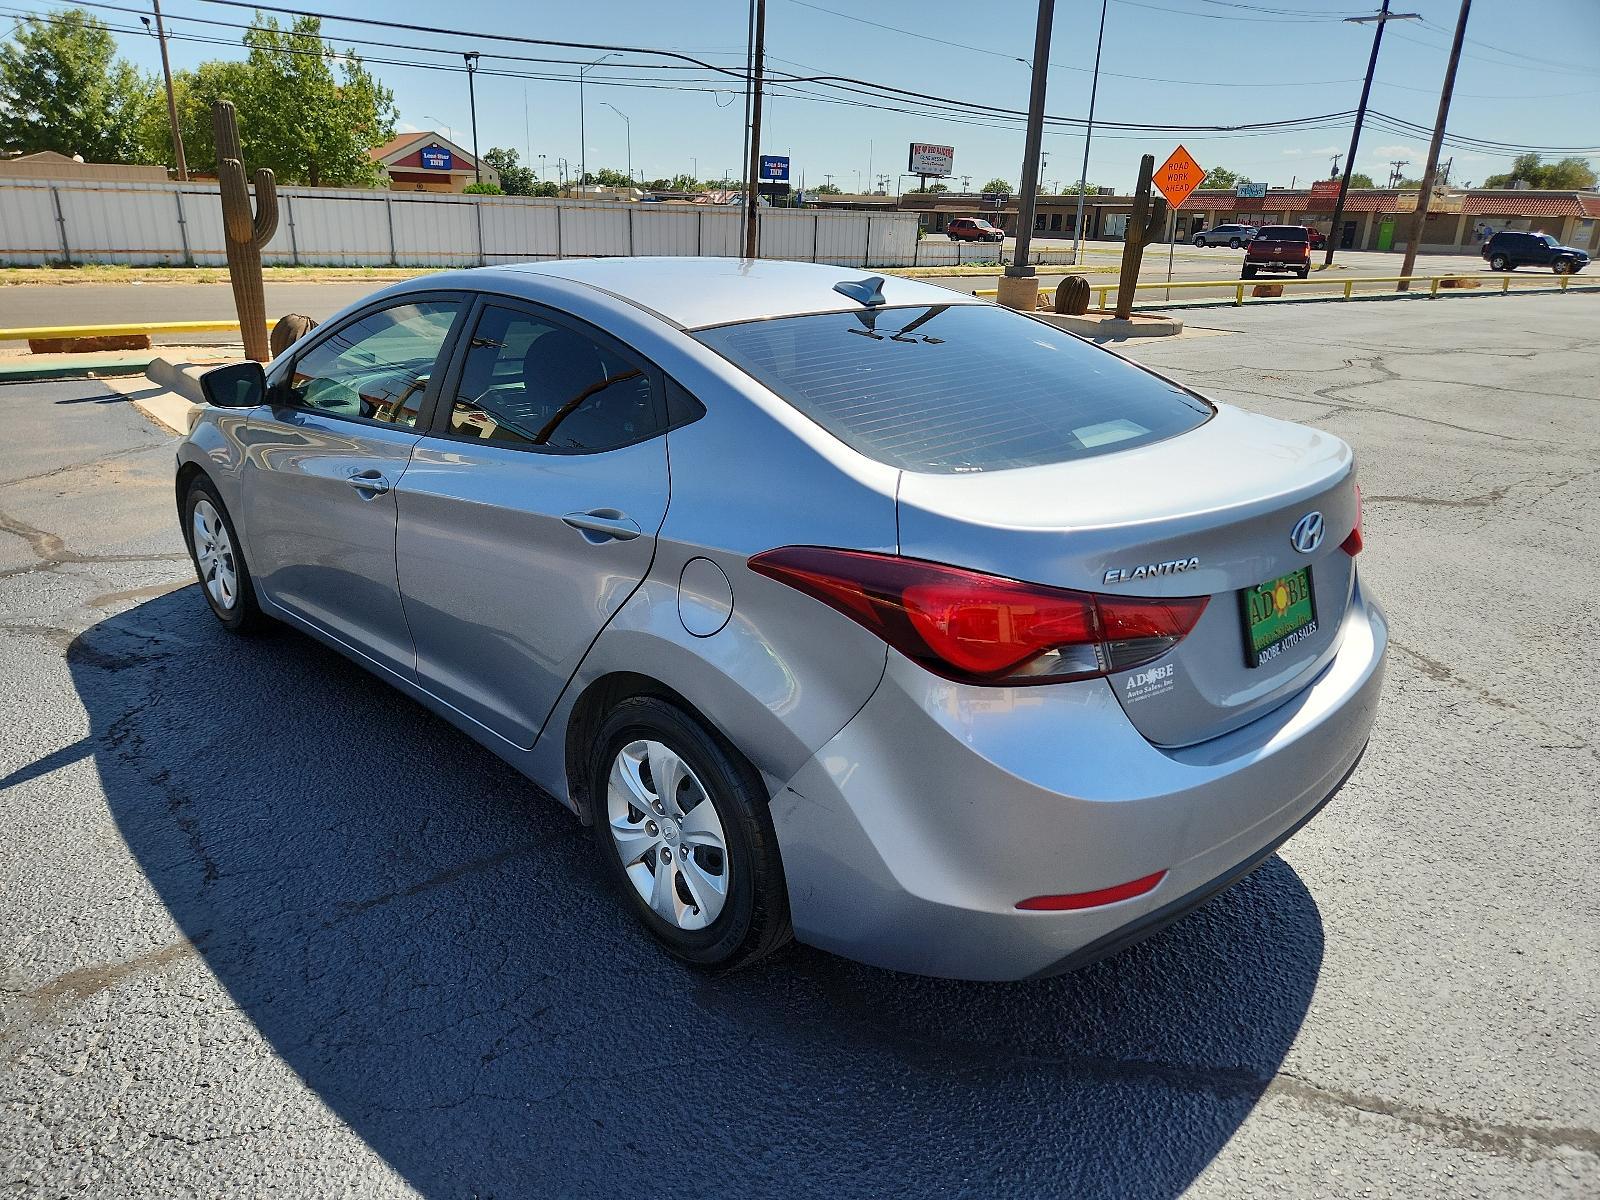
(1353, 543)
(978, 628)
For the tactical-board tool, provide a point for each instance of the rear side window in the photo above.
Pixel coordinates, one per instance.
(538, 385)
(957, 388)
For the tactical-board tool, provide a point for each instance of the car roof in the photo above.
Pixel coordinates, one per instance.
(696, 292)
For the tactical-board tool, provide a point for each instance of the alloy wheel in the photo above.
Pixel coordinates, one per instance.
(668, 834)
(213, 552)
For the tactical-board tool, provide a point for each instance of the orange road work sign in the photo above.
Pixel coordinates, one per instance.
(1178, 176)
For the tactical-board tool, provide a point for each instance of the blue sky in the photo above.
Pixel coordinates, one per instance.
(1531, 76)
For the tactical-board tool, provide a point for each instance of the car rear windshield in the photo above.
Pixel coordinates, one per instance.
(1283, 233)
(957, 387)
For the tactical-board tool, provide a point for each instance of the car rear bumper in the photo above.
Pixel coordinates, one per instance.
(909, 838)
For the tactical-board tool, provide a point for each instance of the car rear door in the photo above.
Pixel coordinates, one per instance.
(324, 456)
(530, 510)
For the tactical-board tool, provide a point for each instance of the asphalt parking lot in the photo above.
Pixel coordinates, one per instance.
(268, 928)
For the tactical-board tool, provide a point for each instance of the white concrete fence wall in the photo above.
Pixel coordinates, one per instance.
(177, 224)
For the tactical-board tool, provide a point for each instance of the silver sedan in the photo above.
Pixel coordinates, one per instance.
(842, 608)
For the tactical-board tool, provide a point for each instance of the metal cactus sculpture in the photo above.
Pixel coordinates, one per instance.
(1072, 297)
(1148, 217)
(244, 235)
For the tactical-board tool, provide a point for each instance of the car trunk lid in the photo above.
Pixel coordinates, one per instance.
(1210, 512)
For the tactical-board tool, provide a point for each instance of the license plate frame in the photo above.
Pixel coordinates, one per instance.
(1285, 631)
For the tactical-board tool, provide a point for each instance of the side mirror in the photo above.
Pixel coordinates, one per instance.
(237, 385)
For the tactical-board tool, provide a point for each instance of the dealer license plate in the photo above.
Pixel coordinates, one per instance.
(1278, 615)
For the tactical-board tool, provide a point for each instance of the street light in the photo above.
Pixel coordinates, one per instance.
(542, 175)
(449, 130)
(471, 59)
(629, 125)
(583, 137)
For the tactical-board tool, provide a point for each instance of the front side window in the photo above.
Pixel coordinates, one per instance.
(957, 388)
(532, 383)
(377, 367)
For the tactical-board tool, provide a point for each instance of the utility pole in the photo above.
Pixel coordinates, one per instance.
(1335, 170)
(752, 192)
(1444, 171)
(1395, 174)
(172, 104)
(1088, 134)
(1379, 20)
(1420, 220)
(471, 57)
(1019, 287)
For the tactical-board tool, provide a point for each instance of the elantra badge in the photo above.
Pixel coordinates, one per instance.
(1148, 570)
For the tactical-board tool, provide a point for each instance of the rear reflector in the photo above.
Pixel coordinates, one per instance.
(1076, 900)
(1353, 543)
(987, 629)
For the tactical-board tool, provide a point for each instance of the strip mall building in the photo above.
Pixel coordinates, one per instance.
(1374, 218)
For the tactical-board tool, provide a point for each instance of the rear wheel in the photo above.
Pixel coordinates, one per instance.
(1304, 272)
(218, 560)
(1500, 263)
(1248, 273)
(683, 828)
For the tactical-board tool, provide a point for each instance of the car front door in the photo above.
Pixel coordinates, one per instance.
(530, 511)
(325, 455)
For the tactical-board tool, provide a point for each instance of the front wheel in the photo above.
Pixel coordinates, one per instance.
(1199, 241)
(1234, 243)
(1561, 266)
(1500, 263)
(682, 825)
(218, 560)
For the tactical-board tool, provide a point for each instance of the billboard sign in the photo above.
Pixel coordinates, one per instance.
(1325, 189)
(437, 158)
(928, 159)
(1248, 190)
(774, 168)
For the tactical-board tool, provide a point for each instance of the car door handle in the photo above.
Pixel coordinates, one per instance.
(603, 524)
(371, 482)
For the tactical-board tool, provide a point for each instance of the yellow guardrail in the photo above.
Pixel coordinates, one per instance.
(130, 329)
(1347, 286)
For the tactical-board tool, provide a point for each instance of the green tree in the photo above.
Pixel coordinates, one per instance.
(515, 179)
(1222, 178)
(484, 189)
(1361, 179)
(545, 188)
(309, 126)
(827, 189)
(62, 88)
(1570, 173)
(997, 185)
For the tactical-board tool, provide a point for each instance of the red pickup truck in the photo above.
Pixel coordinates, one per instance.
(1279, 248)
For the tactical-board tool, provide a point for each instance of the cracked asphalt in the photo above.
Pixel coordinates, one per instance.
(268, 928)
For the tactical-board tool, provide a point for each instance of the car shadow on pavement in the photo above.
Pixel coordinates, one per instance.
(428, 943)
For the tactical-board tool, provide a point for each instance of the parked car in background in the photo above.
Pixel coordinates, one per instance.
(1317, 238)
(1232, 236)
(950, 642)
(973, 229)
(1279, 248)
(1511, 248)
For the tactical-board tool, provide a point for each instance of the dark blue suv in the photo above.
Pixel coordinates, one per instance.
(1510, 249)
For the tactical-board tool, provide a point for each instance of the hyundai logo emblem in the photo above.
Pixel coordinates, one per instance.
(1306, 535)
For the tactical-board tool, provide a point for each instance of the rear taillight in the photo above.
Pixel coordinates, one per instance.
(1353, 543)
(980, 628)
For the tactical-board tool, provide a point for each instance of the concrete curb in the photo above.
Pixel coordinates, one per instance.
(1359, 297)
(77, 366)
(1096, 327)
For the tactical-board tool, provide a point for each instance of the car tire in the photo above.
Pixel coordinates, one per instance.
(1561, 266)
(1247, 273)
(1234, 243)
(219, 562)
(735, 842)
(1198, 240)
(1499, 262)
(1304, 272)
